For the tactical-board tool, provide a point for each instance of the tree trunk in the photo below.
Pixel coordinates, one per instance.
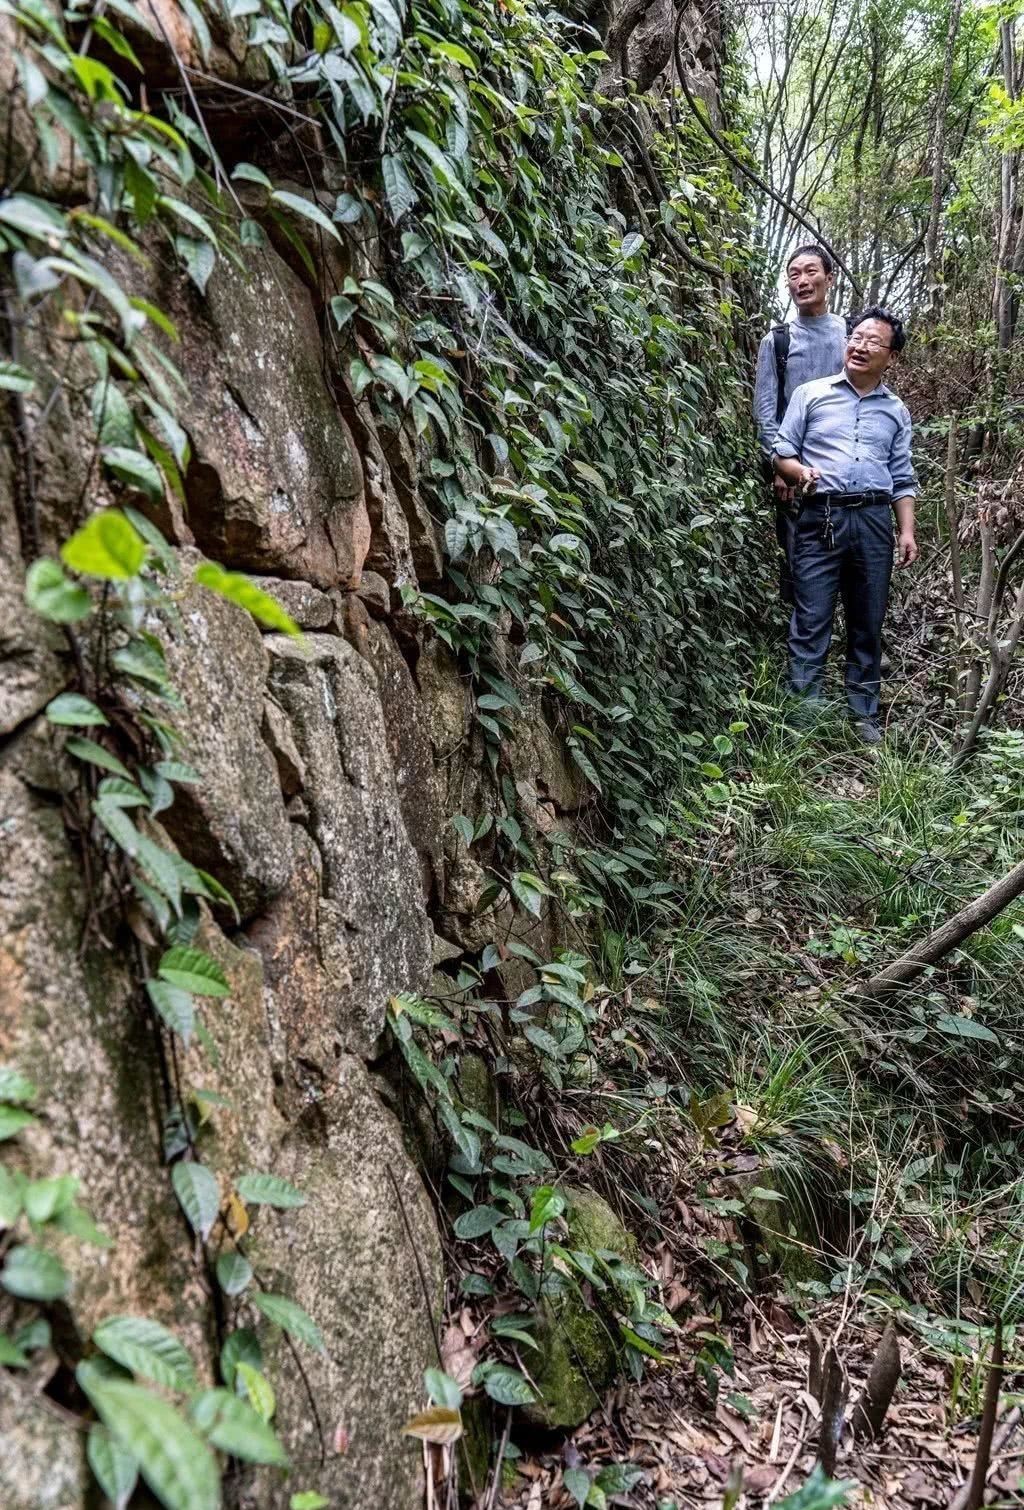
(933, 277)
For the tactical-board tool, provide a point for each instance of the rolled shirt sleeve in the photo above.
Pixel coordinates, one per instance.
(789, 441)
(766, 387)
(901, 465)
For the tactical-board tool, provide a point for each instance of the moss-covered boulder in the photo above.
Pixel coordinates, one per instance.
(581, 1351)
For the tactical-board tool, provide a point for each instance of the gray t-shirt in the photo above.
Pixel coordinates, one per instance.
(817, 345)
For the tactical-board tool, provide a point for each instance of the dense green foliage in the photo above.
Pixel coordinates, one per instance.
(531, 320)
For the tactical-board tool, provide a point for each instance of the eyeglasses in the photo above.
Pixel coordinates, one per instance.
(869, 343)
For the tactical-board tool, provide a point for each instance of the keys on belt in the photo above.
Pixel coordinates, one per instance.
(845, 501)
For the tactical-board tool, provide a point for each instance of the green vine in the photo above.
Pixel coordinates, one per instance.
(117, 727)
(567, 358)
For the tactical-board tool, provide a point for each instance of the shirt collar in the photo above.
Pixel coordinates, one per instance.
(841, 377)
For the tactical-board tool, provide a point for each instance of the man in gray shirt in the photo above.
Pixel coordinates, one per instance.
(845, 444)
(812, 346)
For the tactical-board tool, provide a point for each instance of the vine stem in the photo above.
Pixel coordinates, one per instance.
(419, 1264)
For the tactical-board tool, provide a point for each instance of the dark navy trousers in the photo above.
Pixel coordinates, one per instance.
(859, 568)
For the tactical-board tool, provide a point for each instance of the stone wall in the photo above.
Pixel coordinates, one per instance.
(329, 769)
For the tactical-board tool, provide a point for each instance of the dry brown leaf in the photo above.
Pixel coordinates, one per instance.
(439, 1425)
(458, 1358)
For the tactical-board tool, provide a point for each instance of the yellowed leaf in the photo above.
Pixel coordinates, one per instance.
(237, 1216)
(746, 1117)
(439, 1424)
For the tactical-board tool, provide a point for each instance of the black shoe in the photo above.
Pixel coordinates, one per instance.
(867, 731)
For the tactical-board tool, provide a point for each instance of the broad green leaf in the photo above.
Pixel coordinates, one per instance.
(158, 865)
(74, 709)
(194, 971)
(292, 1318)
(251, 174)
(50, 593)
(12, 1120)
(14, 1086)
(116, 1471)
(231, 1424)
(34, 217)
(478, 1222)
(147, 1348)
(177, 770)
(819, 1492)
(507, 1386)
(175, 1462)
(577, 1482)
(542, 1040)
(240, 589)
(546, 1205)
(32, 1274)
(11, 1198)
(112, 415)
(108, 545)
(397, 186)
(241, 1346)
(175, 1006)
(308, 1499)
(455, 53)
(268, 1190)
(11, 1356)
(528, 894)
(137, 470)
(34, 1335)
(234, 1272)
(45, 1199)
(199, 1194)
(442, 1389)
(15, 379)
(307, 209)
(348, 209)
(965, 1027)
(641, 1344)
(199, 258)
(76, 1221)
(258, 1389)
(95, 754)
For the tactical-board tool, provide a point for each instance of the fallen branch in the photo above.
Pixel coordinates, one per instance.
(977, 914)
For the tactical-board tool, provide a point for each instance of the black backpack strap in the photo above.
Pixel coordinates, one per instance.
(780, 339)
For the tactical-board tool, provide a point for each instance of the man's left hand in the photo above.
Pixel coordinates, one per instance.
(906, 548)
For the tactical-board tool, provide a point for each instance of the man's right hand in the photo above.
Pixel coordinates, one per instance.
(784, 491)
(808, 479)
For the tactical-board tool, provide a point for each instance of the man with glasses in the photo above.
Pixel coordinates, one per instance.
(810, 346)
(844, 444)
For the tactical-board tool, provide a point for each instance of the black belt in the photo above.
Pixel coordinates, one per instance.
(848, 500)
(841, 501)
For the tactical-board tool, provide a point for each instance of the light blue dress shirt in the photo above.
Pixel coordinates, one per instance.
(858, 443)
(816, 347)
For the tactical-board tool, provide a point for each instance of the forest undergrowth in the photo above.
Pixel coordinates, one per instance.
(806, 1164)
